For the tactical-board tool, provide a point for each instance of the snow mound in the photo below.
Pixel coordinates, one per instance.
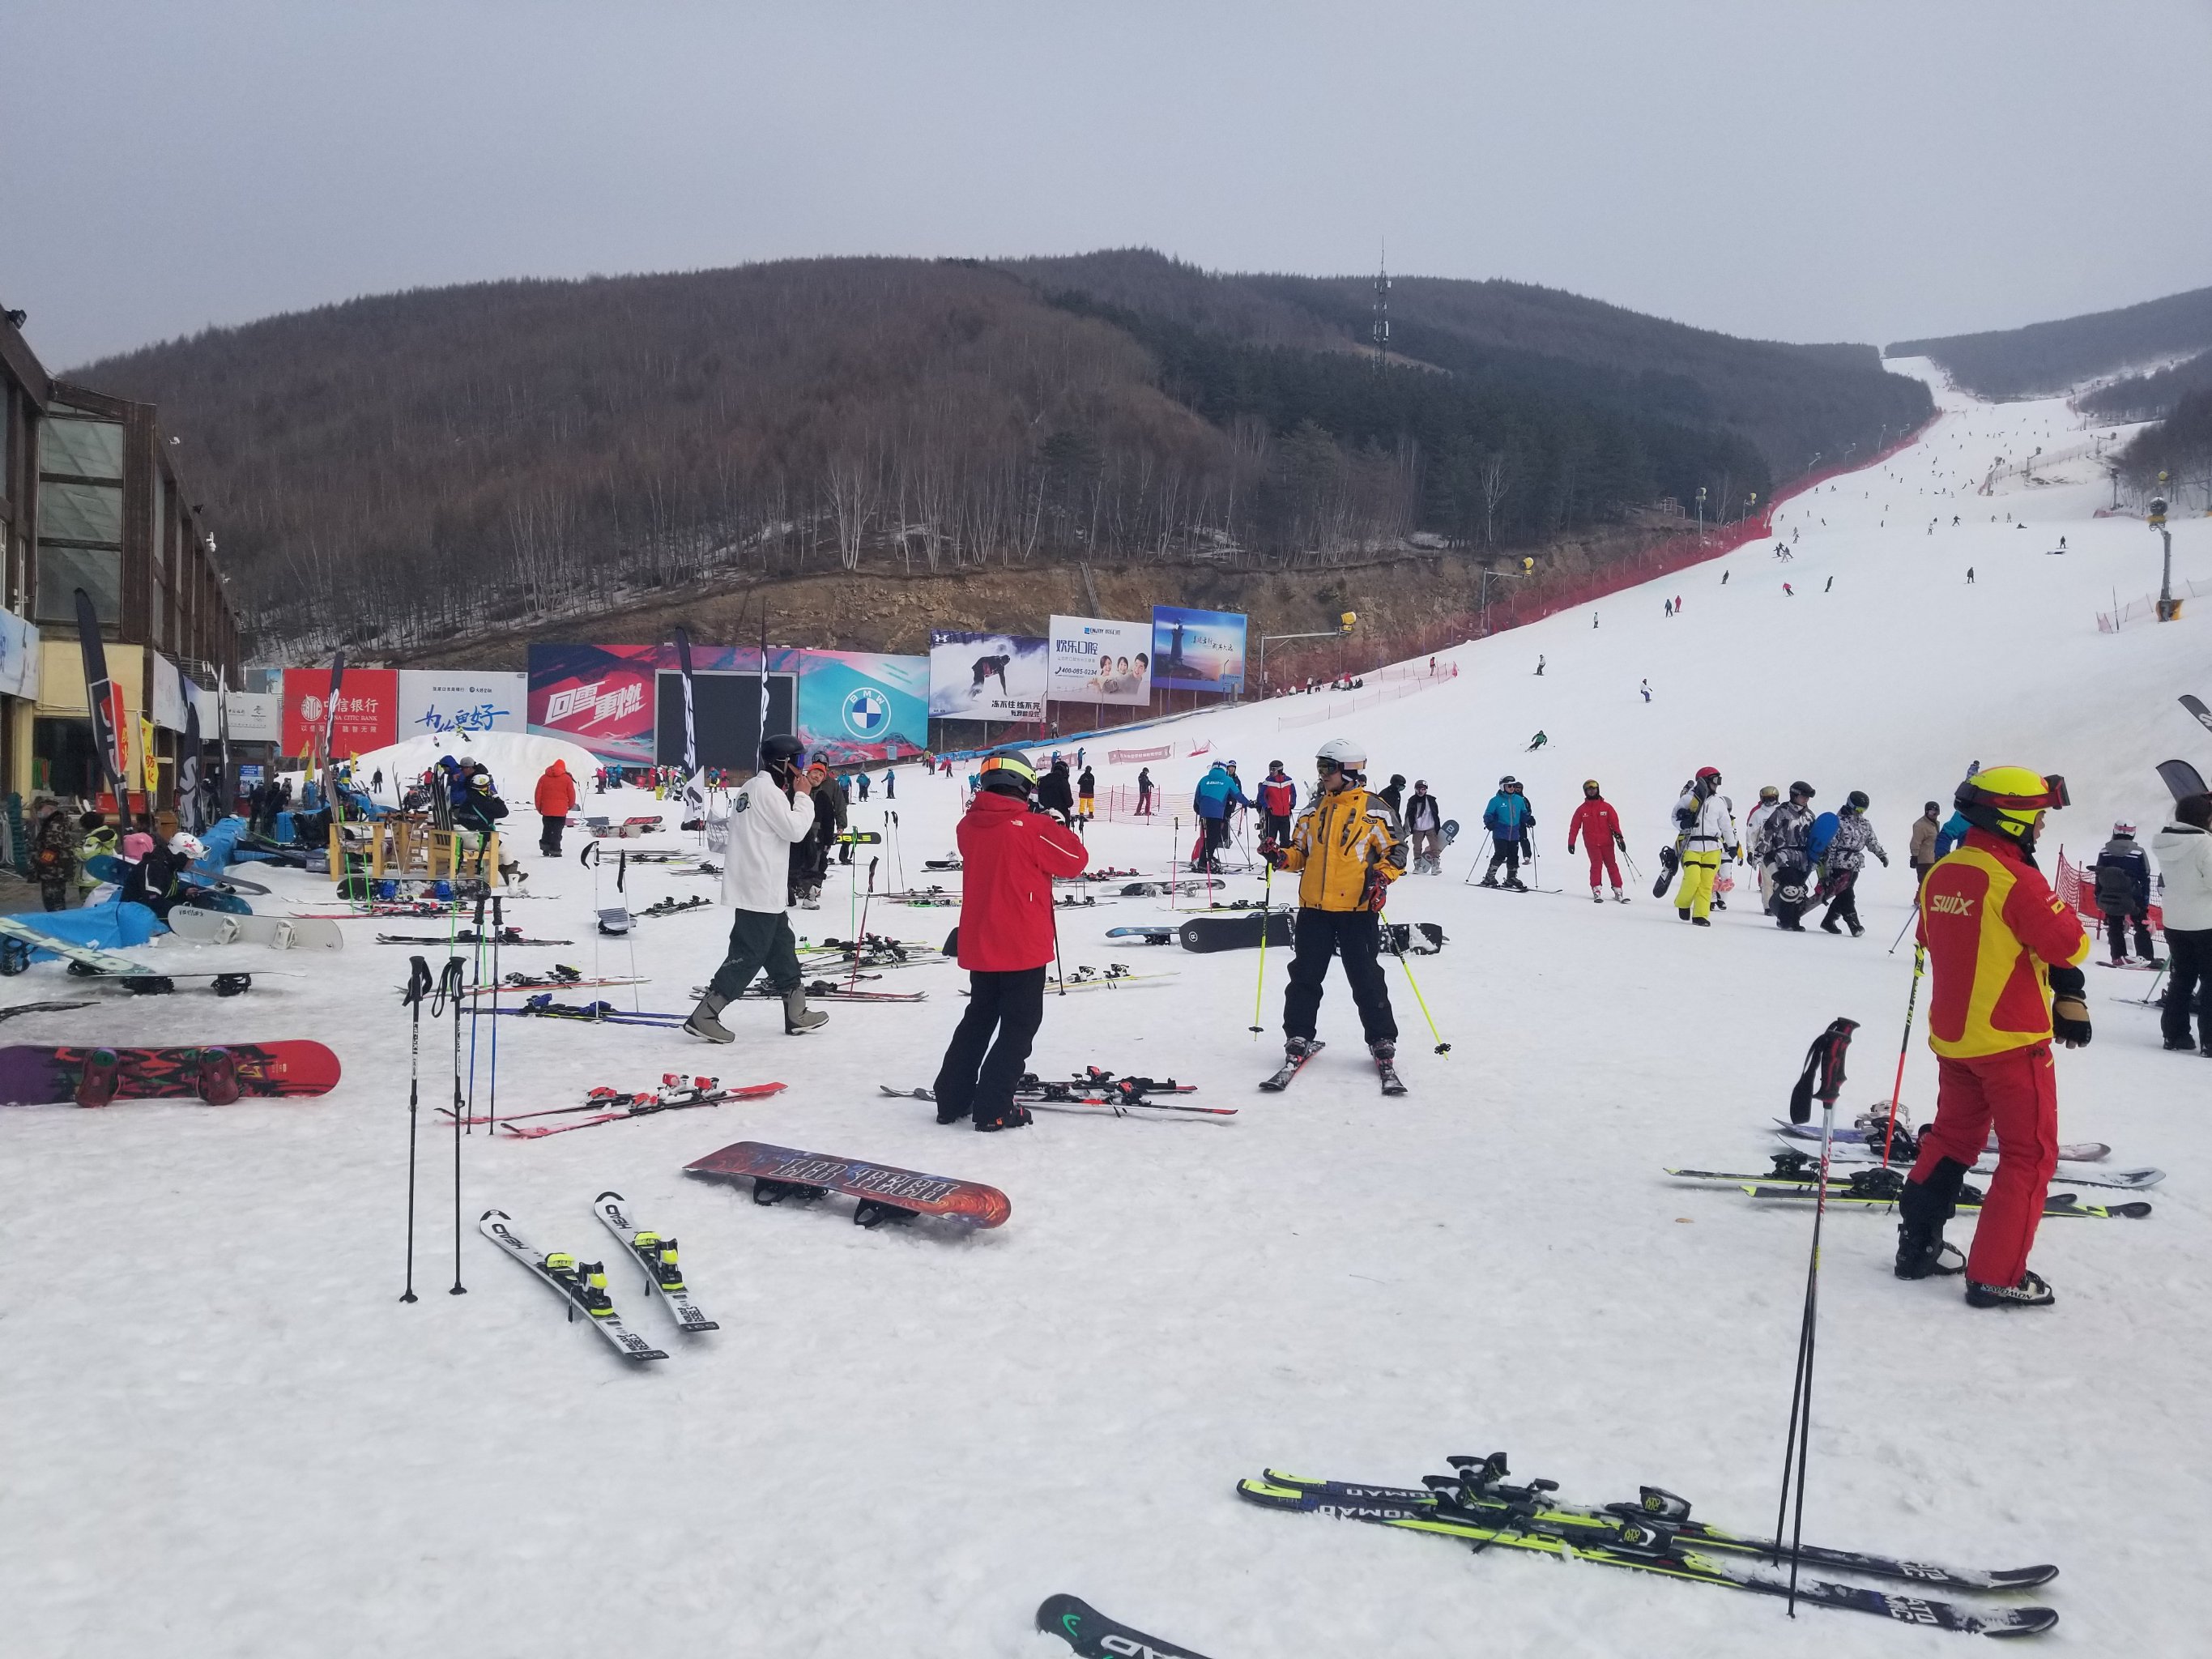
(516, 758)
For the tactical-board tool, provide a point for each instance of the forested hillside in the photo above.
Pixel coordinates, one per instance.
(412, 467)
(2148, 397)
(2044, 358)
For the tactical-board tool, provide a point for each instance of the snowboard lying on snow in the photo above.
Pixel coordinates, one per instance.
(885, 1193)
(51, 1077)
(277, 933)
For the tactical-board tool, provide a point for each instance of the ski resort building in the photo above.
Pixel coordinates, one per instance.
(91, 497)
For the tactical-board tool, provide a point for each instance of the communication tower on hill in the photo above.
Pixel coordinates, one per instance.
(1381, 327)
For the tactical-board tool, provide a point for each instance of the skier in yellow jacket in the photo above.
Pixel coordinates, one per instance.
(1347, 848)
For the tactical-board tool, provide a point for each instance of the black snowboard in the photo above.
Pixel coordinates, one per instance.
(2181, 778)
(1095, 1636)
(1669, 861)
(1233, 932)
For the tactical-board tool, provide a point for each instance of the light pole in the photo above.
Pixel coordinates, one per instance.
(1701, 515)
(1345, 624)
(1489, 575)
(2169, 608)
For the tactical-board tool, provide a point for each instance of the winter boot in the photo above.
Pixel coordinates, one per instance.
(1701, 921)
(1858, 931)
(1719, 903)
(706, 1020)
(1828, 924)
(1618, 896)
(1013, 1115)
(2030, 1292)
(1597, 896)
(1683, 911)
(216, 1077)
(1921, 1210)
(798, 1018)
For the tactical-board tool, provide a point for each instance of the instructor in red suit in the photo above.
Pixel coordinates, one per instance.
(1010, 852)
(1598, 827)
(2005, 957)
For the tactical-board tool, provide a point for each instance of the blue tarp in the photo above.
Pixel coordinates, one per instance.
(110, 927)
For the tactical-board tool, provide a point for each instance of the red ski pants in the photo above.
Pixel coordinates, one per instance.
(1601, 861)
(2017, 1093)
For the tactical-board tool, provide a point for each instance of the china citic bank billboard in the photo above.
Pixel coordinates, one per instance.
(368, 712)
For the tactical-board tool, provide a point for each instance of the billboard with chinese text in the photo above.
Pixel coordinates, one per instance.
(1198, 650)
(1095, 660)
(986, 676)
(368, 712)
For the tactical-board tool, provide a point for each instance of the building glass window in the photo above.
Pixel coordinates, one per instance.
(89, 449)
(63, 570)
(80, 513)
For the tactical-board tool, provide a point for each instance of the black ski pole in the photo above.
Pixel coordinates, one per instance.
(418, 987)
(491, 1111)
(449, 992)
(862, 936)
(482, 896)
(1823, 1061)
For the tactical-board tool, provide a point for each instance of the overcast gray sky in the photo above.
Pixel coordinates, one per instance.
(1799, 169)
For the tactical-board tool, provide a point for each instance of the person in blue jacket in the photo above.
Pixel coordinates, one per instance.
(1955, 826)
(2120, 877)
(1510, 822)
(1218, 794)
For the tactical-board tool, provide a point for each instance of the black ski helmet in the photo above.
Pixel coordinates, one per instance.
(783, 749)
(1802, 787)
(1857, 800)
(1009, 772)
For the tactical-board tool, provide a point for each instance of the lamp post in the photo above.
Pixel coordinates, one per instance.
(1701, 515)
(1489, 575)
(2169, 608)
(1345, 624)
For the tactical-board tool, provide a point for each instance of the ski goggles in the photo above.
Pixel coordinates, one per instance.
(2050, 797)
(1013, 765)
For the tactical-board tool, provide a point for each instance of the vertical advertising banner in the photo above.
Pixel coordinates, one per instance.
(1094, 660)
(458, 702)
(857, 706)
(1198, 650)
(366, 716)
(986, 676)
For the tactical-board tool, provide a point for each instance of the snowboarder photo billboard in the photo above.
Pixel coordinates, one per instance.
(986, 677)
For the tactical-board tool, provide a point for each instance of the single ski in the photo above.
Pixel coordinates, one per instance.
(642, 1105)
(1479, 1486)
(823, 990)
(2195, 705)
(1291, 1067)
(1889, 1183)
(2080, 1152)
(581, 1285)
(618, 1103)
(1644, 1545)
(1095, 1636)
(2055, 1204)
(519, 981)
(1856, 1152)
(656, 1253)
(469, 936)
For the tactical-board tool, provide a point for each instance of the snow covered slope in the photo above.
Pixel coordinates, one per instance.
(225, 1435)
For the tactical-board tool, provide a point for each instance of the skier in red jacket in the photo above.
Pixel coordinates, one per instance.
(1279, 803)
(1010, 851)
(1598, 827)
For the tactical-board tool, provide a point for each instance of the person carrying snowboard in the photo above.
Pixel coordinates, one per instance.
(1511, 824)
(1278, 800)
(1598, 827)
(1346, 848)
(2121, 878)
(1010, 852)
(2004, 962)
(1424, 823)
(769, 818)
(555, 799)
(1705, 835)
(1846, 856)
(1784, 853)
(1754, 825)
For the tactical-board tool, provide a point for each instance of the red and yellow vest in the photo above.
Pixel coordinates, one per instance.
(1993, 929)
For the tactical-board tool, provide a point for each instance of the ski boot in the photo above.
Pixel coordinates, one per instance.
(798, 1018)
(1683, 911)
(1488, 881)
(1597, 896)
(96, 1082)
(706, 1019)
(216, 1077)
(1620, 896)
(1386, 1066)
(1922, 1208)
(1828, 924)
(2030, 1292)
(1515, 884)
(1701, 921)
(1013, 1115)
(1856, 931)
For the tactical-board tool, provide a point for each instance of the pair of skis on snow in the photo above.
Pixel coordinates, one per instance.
(676, 1093)
(583, 1284)
(1294, 1062)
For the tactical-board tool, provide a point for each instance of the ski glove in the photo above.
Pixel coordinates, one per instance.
(2069, 1007)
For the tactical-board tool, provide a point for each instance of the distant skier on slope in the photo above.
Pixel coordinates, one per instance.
(1845, 857)
(1598, 826)
(1705, 834)
(2004, 962)
(1536, 743)
(1279, 799)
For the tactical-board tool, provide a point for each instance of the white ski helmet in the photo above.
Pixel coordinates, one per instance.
(187, 846)
(1343, 752)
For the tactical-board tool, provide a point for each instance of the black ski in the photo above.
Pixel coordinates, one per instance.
(2195, 705)
(1292, 1065)
(1095, 1636)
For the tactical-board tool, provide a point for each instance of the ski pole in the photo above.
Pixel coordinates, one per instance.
(1413, 985)
(1479, 846)
(860, 938)
(449, 991)
(483, 898)
(1060, 969)
(418, 987)
(1260, 991)
(1907, 922)
(1828, 1050)
(492, 1110)
(1632, 870)
(1911, 1000)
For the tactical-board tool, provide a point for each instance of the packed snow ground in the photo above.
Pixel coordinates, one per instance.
(225, 1435)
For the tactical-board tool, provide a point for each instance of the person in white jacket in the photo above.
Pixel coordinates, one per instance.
(767, 817)
(2184, 851)
(1704, 833)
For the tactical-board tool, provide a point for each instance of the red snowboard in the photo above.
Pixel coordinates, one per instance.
(885, 1193)
(31, 1076)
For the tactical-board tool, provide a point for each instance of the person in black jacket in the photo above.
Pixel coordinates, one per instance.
(1424, 823)
(2122, 877)
(1055, 794)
